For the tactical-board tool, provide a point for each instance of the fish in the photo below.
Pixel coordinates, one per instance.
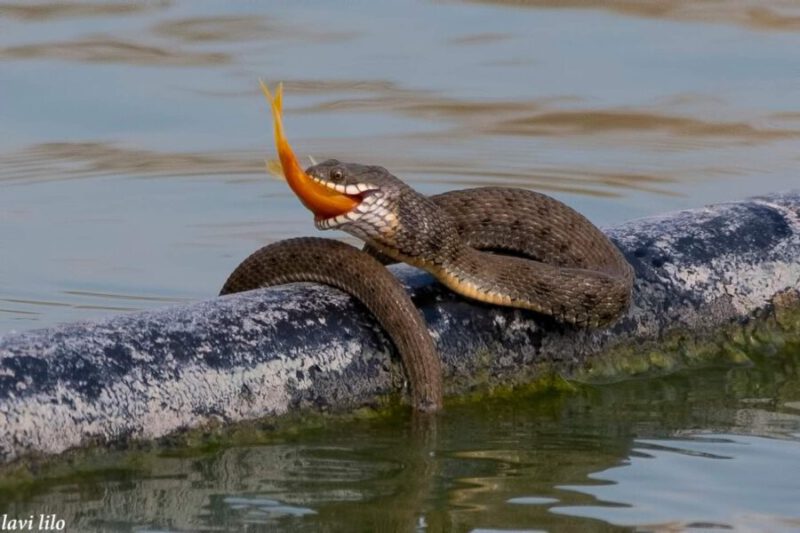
(322, 201)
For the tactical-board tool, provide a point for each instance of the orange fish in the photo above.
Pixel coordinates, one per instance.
(320, 200)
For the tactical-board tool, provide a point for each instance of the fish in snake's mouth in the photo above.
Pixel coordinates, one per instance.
(331, 203)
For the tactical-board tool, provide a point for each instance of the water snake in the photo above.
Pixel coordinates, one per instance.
(504, 246)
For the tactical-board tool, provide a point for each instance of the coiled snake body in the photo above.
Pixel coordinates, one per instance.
(556, 263)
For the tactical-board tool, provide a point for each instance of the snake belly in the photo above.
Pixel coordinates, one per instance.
(510, 247)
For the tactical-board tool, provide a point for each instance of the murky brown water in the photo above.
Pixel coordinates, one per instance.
(133, 134)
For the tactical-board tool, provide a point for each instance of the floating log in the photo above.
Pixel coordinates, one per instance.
(709, 281)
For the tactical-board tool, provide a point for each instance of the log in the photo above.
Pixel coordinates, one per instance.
(710, 282)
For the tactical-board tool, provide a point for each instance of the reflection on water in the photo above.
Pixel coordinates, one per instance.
(42, 11)
(621, 116)
(215, 29)
(550, 118)
(707, 449)
(706, 480)
(781, 15)
(106, 49)
(62, 161)
(593, 122)
(249, 28)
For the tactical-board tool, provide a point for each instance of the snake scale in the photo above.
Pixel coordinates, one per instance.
(506, 246)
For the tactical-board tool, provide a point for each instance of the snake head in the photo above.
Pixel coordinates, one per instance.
(375, 189)
(390, 215)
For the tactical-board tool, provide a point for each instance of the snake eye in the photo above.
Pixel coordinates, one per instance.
(336, 175)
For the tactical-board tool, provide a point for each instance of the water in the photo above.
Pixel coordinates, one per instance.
(132, 140)
(714, 449)
(133, 134)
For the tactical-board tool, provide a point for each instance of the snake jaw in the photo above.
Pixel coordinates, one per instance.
(374, 220)
(352, 215)
(319, 198)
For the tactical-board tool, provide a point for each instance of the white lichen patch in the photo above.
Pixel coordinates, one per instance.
(749, 282)
(694, 277)
(62, 419)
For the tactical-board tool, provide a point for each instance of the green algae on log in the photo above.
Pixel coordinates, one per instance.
(765, 332)
(713, 284)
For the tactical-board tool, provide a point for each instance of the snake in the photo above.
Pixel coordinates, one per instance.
(505, 246)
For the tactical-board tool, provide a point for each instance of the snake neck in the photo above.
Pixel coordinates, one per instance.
(412, 229)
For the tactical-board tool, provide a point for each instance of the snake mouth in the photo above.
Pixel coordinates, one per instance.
(355, 191)
(365, 194)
